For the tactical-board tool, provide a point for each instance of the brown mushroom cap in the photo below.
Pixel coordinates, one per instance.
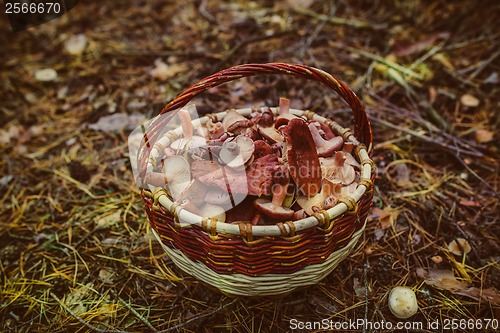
(302, 157)
(260, 175)
(235, 122)
(262, 148)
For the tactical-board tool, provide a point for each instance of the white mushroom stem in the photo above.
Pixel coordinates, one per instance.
(324, 147)
(279, 194)
(284, 106)
(187, 125)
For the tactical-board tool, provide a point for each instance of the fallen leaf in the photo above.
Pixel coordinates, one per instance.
(163, 71)
(117, 122)
(300, 3)
(45, 75)
(6, 135)
(483, 136)
(106, 275)
(403, 50)
(470, 203)
(444, 60)
(444, 279)
(387, 216)
(469, 100)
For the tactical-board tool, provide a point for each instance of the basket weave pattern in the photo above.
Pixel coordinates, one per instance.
(266, 255)
(262, 260)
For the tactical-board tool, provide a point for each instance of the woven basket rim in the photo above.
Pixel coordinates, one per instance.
(347, 204)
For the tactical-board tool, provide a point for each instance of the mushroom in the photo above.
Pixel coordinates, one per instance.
(215, 130)
(302, 157)
(211, 173)
(218, 197)
(259, 175)
(403, 302)
(266, 118)
(270, 134)
(325, 199)
(195, 192)
(327, 131)
(459, 246)
(262, 148)
(251, 133)
(235, 122)
(337, 170)
(238, 152)
(284, 115)
(274, 208)
(325, 148)
(176, 176)
(189, 140)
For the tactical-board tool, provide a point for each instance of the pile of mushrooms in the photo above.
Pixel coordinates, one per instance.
(264, 169)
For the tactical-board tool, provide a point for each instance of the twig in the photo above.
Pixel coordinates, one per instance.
(338, 20)
(425, 138)
(366, 266)
(315, 33)
(202, 8)
(250, 41)
(483, 64)
(131, 309)
(74, 315)
(381, 60)
(196, 318)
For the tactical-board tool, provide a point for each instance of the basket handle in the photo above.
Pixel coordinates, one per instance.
(362, 127)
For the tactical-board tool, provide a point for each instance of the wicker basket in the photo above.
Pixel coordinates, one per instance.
(242, 259)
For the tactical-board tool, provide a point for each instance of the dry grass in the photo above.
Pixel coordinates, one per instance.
(76, 250)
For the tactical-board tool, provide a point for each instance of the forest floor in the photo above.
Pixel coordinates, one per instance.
(76, 249)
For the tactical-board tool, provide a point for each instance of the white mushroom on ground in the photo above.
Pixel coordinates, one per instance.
(188, 140)
(403, 302)
(325, 148)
